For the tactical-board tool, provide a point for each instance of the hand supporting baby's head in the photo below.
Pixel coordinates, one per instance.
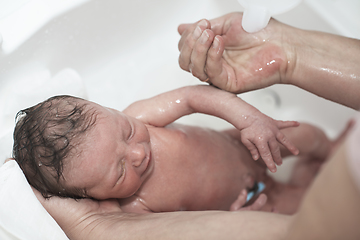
(45, 136)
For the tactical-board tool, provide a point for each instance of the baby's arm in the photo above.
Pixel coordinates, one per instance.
(259, 133)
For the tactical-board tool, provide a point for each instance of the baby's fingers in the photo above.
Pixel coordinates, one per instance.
(275, 151)
(252, 148)
(257, 205)
(239, 202)
(287, 143)
(287, 124)
(266, 156)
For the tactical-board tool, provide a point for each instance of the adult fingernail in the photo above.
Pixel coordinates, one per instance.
(203, 23)
(216, 43)
(204, 37)
(197, 32)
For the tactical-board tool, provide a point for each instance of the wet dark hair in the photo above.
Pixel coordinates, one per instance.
(45, 135)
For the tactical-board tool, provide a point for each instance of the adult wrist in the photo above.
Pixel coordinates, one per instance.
(292, 43)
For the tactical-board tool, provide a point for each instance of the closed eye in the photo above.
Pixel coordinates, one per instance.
(131, 132)
(122, 173)
(122, 168)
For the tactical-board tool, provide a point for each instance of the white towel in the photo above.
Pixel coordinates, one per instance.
(21, 214)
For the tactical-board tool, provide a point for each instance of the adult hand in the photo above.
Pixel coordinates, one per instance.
(221, 52)
(88, 219)
(77, 216)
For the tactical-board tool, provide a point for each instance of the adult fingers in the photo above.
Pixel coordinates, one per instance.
(188, 40)
(220, 72)
(183, 27)
(221, 24)
(187, 29)
(217, 69)
(199, 55)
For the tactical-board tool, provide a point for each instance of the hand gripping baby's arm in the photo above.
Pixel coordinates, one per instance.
(259, 133)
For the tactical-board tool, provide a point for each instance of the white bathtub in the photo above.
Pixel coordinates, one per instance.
(115, 52)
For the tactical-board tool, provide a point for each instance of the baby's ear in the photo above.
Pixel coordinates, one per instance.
(9, 159)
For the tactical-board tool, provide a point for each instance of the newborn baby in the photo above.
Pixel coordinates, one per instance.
(71, 147)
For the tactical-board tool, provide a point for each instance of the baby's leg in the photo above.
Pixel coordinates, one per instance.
(314, 148)
(312, 141)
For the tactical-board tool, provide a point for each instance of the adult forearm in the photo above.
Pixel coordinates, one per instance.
(89, 219)
(324, 64)
(187, 225)
(330, 209)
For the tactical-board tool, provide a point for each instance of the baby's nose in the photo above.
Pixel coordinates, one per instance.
(137, 154)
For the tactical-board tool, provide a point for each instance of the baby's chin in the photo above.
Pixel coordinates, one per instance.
(116, 196)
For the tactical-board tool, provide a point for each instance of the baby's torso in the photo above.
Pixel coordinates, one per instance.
(194, 169)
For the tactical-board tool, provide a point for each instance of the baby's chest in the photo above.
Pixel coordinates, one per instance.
(192, 175)
(195, 143)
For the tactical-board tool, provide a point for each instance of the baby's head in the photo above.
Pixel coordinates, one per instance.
(47, 134)
(70, 147)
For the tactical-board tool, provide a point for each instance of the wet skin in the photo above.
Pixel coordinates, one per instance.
(169, 168)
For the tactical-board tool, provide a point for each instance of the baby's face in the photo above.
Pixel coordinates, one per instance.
(115, 158)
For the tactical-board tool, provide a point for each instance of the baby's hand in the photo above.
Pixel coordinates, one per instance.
(262, 138)
(238, 204)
